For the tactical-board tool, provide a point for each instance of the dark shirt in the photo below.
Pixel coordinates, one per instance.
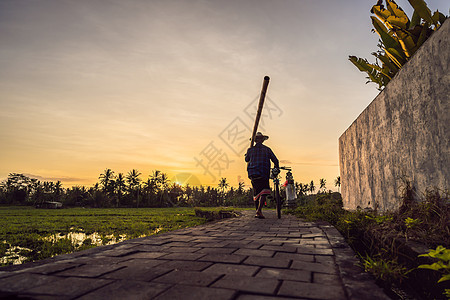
(258, 158)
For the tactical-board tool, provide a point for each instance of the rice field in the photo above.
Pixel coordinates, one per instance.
(29, 234)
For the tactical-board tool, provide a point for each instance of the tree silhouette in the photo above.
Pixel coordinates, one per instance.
(322, 183)
(223, 184)
(105, 179)
(120, 187)
(240, 189)
(337, 182)
(134, 185)
(312, 188)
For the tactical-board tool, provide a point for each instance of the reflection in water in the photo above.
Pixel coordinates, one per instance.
(13, 254)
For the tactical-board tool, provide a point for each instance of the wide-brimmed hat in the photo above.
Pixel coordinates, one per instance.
(259, 136)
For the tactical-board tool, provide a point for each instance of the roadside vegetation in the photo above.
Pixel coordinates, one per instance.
(388, 244)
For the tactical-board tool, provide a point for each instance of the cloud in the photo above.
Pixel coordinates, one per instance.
(61, 178)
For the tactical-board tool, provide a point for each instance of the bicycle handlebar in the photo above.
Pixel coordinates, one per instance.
(285, 168)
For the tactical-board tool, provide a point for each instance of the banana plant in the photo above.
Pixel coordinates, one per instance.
(400, 38)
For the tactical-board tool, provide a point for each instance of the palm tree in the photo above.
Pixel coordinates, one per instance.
(312, 188)
(105, 179)
(337, 182)
(299, 189)
(120, 187)
(322, 184)
(58, 188)
(223, 184)
(240, 189)
(164, 180)
(133, 181)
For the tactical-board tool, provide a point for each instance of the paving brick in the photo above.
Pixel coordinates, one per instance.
(201, 239)
(25, 281)
(180, 238)
(51, 268)
(322, 278)
(237, 244)
(267, 262)
(294, 256)
(248, 284)
(285, 274)
(312, 250)
(150, 248)
(212, 244)
(143, 273)
(279, 248)
(324, 246)
(89, 270)
(293, 242)
(325, 259)
(146, 255)
(313, 267)
(188, 278)
(255, 252)
(313, 235)
(311, 290)
(127, 289)
(96, 260)
(186, 265)
(224, 258)
(117, 252)
(316, 242)
(185, 292)
(183, 256)
(216, 250)
(260, 297)
(141, 262)
(179, 244)
(182, 249)
(6, 274)
(230, 269)
(71, 286)
(36, 297)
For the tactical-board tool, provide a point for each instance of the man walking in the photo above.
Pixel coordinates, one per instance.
(258, 160)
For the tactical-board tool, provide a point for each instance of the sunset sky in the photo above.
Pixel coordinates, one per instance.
(166, 85)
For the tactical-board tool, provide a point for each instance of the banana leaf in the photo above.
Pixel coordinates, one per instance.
(388, 40)
(423, 35)
(395, 57)
(415, 20)
(382, 14)
(407, 42)
(387, 62)
(422, 9)
(380, 71)
(398, 16)
(371, 70)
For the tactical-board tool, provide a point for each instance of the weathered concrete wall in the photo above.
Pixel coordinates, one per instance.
(404, 132)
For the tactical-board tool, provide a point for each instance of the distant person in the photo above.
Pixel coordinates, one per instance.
(258, 160)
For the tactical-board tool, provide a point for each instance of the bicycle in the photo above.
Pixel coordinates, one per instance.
(276, 182)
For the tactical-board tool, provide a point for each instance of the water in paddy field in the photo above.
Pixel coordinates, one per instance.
(14, 254)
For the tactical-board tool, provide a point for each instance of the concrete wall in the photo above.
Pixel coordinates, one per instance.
(404, 132)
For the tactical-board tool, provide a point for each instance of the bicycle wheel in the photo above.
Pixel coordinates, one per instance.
(278, 200)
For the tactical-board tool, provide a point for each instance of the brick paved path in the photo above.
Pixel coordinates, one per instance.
(238, 258)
